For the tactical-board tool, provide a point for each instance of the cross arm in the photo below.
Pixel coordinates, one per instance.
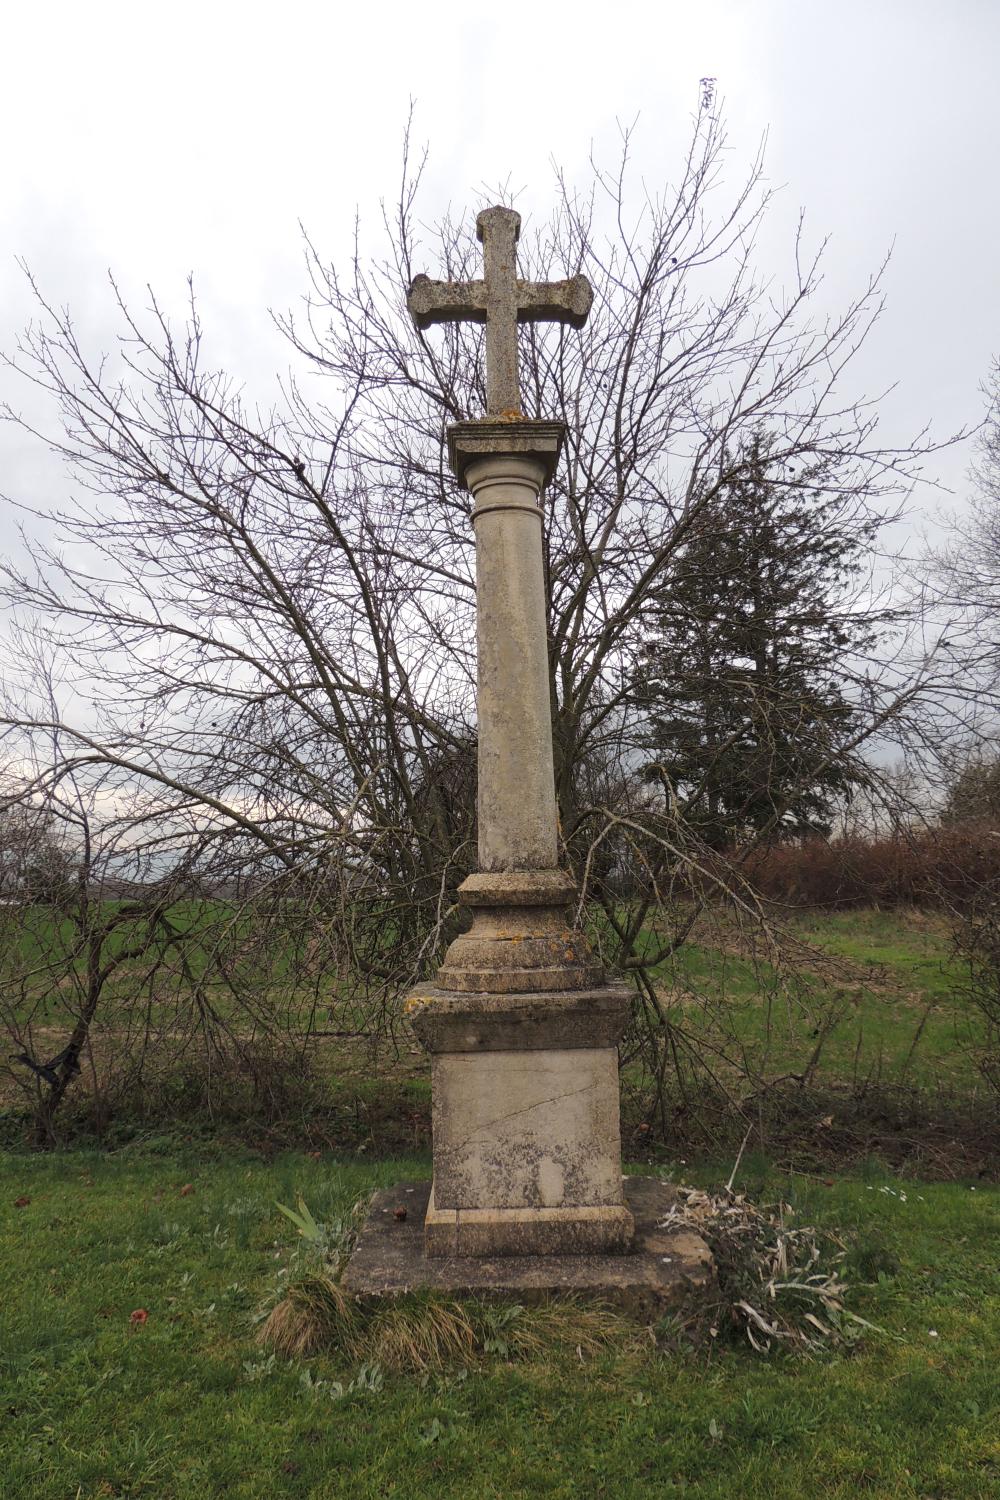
(555, 301)
(446, 301)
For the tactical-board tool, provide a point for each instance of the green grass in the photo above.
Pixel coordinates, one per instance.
(185, 1404)
(903, 1035)
(913, 946)
(44, 963)
(890, 976)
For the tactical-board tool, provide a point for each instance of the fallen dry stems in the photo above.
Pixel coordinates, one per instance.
(779, 1285)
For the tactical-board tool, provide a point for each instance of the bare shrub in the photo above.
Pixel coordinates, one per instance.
(930, 867)
(134, 991)
(976, 938)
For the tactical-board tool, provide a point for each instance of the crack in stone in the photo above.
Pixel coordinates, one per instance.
(490, 1125)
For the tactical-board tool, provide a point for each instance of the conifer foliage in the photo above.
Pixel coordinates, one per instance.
(754, 657)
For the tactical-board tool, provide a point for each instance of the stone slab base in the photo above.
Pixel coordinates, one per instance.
(598, 1229)
(663, 1267)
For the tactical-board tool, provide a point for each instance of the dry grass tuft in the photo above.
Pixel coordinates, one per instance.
(314, 1314)
(528, 1332)
(420, 1336)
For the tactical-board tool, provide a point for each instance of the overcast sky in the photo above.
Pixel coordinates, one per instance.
(156, 139)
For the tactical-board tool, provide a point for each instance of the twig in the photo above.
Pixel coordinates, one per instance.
(739, 1158)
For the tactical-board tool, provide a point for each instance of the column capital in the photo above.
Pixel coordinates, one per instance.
(468, 442)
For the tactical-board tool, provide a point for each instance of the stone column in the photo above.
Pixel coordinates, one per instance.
(517, 804)
(520, 1023)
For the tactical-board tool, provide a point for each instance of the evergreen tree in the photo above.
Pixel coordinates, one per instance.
(753, 642)
(974, 794)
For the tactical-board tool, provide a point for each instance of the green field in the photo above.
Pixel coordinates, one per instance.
(186, 1404)
(883, 989)
(180, 1223)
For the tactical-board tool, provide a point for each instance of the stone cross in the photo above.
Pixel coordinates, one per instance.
(521, 1022)
(501, 301)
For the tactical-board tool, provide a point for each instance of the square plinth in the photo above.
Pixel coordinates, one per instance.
(664, 1265)
(527, 1130)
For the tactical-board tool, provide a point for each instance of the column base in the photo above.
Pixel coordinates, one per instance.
(601, 1229)
(520, 939)
(663, 1267)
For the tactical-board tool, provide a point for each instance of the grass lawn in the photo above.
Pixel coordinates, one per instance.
(878, 993)
(185, 1404)
(889, 978)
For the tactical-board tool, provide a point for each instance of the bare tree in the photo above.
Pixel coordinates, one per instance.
(130, 960)
(963, 578)
(274, 610)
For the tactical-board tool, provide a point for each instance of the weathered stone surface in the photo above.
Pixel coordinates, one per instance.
(600, 1230)
(516, 436)
(520, 937)
(511, 950)
(445, 1021)
(523, 1035)
(501, 301)
(517, 803)
(508, 888)
(527, 1129)
(662, 1267)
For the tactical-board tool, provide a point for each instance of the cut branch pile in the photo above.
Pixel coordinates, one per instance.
(779, 1285)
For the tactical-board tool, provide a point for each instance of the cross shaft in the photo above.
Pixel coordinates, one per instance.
(501, 301)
